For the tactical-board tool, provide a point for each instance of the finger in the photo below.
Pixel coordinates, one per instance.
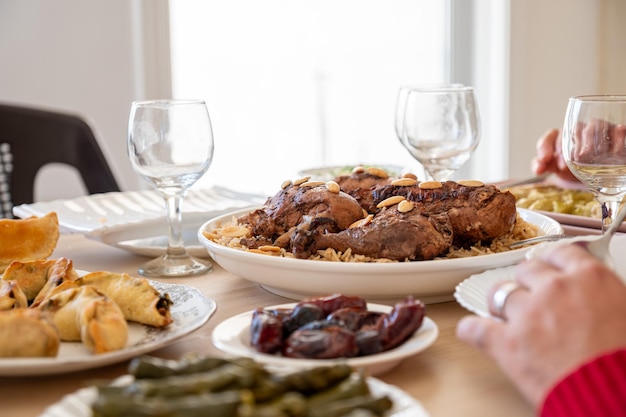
(531, 272)
(479, 332)
(546, 145)
(618, 140)
(563, 258)
(505, 299)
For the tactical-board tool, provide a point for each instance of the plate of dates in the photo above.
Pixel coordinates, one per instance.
(348, 330)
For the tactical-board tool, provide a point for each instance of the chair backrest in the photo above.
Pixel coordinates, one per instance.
(31, 138)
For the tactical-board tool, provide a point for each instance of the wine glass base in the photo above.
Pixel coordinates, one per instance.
(175, 266)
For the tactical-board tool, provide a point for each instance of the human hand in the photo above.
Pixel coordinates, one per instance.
(570, 308)
(549, 158)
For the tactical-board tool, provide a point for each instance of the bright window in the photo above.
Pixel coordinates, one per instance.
(294, 84)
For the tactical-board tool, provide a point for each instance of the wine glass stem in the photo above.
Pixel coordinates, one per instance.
(610, 207)
(175, 241)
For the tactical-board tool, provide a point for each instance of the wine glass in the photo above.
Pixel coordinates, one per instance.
(170, 145)
(593, 141)
(441, 127)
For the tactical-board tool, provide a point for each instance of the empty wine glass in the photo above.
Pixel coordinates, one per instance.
(441, 127)
(593, 141)
(170, 144)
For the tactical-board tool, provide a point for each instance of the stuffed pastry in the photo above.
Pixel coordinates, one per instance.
(11, 296)
(37, 277)
(30, 275)
(139, 300)
(61, 271)
(28, 239)
(26, 333)
(85, 314)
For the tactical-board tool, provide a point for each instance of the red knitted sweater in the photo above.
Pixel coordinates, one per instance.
(596, 389)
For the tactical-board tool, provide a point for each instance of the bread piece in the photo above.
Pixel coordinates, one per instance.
(28, 239)
(26, 333)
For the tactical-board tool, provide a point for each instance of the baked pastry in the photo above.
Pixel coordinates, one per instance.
(11, 296)
(30, 275)
(27, 333)
(85, 314)
(37, 278)
(62, 270)
(139, 301)
(28, 239)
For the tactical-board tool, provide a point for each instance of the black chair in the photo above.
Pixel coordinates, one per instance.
(31, 138)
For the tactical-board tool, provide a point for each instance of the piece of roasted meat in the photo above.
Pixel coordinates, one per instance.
(298, 203)
(391, 234)
(476, 212)
(360, 183)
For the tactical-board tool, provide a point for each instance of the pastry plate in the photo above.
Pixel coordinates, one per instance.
(430, 281)
(191, 309)
(472, 292)
(135, 220)
(78, 404)
(233, 337)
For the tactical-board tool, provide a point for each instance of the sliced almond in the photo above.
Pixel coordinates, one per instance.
(380, 173)
(234, 231)
(333, 187)
(409, 175)
(211, 235)
(358, 170)
(405, 206)
(261, 252)
(285, 184)
(404, 182)
(269, 248)
(312, 184)
(471, 183)
(362, 222)
(390, 201)
(301, 180)
(430, 185)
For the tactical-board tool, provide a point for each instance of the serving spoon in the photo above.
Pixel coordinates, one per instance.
(596, 245)
(600, 247)
(538, 239)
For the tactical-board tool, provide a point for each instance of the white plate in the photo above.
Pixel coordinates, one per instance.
(472, 292)
(329, 172)
(430, 281)
(135, 220)
(78, 404)
(233, 337)
(191, 309)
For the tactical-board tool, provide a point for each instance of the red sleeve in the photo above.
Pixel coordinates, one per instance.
(597, 388)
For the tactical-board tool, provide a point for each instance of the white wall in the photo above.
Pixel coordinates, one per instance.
(559, 48)
(86, 57)
(79, 57)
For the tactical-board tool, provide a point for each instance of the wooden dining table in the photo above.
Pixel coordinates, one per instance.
(449, 378)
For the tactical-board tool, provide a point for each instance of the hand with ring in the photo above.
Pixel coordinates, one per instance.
(562, 310)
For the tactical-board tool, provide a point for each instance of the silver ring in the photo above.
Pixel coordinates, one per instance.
(502, 293)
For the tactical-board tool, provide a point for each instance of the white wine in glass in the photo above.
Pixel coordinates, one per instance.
(594, 148)
(441, 128)
(170, 145)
